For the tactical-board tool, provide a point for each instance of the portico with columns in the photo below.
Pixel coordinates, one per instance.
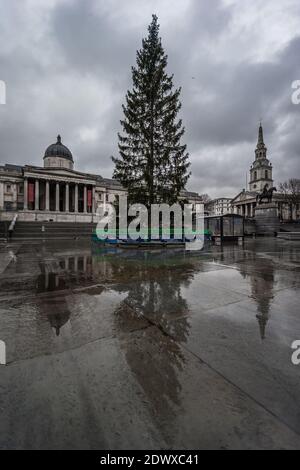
(55, 191)
(244, 203)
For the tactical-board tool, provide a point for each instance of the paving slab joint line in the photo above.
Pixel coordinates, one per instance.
(134, 330)
(166, 333)
(257, 402)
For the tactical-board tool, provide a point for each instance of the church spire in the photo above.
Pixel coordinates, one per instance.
(261, 149)
(260, 135)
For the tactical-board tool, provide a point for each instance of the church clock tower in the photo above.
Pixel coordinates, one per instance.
(261, 169)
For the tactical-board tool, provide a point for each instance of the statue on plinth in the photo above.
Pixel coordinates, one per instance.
(267, 193)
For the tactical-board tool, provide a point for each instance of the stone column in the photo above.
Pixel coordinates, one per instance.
(46, 279)
(25, 194)
(93, 200)
(67, 205)
(37, 195)
(47, 202)
(57, 198)
(84, 199)
(76, 198)
(1, 196)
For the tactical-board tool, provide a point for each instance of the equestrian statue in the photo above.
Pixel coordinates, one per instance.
(267, 193)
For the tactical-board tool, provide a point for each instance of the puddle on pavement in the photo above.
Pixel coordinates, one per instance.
(78, 295)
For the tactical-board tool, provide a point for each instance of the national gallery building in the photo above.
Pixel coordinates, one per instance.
(56, 192)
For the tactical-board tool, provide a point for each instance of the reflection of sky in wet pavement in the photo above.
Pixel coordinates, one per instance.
(166, 314)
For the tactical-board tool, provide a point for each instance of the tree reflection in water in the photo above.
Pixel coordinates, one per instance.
(154, 292)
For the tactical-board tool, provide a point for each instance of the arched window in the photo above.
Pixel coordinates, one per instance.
(255, 175)
(266, 174)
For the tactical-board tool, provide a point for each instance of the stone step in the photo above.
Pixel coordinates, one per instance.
(52, 230)
(290, 227)
(289, 235)
(53, 224)
(50, 235)
(3, 230)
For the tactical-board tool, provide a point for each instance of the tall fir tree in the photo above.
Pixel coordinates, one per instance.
(153, 164)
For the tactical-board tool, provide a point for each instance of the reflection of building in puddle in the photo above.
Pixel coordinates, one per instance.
(57, 312)
(56, 276)
(228, 253)
(59, 274)
(262, 280)
(262, 291)
(259, 272)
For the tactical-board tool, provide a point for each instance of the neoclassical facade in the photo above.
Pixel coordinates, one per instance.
(56, 192)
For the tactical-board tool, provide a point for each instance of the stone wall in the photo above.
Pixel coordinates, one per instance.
(36, 216)
(57, 162)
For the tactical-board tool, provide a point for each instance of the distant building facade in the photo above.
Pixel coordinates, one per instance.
(56, 191)
(219, 206)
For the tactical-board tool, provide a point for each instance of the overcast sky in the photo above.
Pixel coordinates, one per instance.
(67, 67)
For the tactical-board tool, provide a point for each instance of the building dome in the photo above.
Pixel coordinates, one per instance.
(58, 155)
(58, 150)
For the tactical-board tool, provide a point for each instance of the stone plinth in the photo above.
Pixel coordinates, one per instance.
(267, 219)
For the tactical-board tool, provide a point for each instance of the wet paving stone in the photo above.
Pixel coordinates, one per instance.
(136, 349)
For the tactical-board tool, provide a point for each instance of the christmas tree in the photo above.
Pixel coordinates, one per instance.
(153, 164)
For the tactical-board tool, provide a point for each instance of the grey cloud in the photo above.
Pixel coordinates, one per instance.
(71, 73)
